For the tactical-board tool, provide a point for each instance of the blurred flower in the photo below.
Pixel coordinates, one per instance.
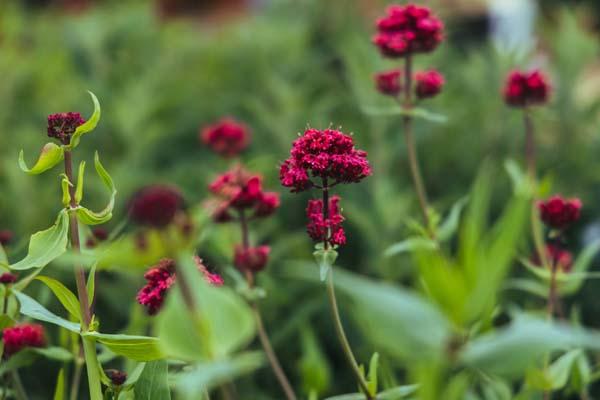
(6, 237)
(388, 82)
(526, 88)
(252, 258)
(558, 257)
(428, 83)
(408, 29)
(330, 229)
(62, 125)
(211, 278)
(326, 154)
(98, 235)
(155, 205)
(116, 377)
(559, 213)
(8, 278)
(21, 336)
(267, 205)
(227, 137)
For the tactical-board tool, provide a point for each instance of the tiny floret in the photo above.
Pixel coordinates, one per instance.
(62, 126)
(322, 229)
(21, 336)
(559, 213)
(526, 88)
(227, 137)
(388, 82)
(116, 377)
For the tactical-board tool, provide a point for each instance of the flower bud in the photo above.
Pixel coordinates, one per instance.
(559, 213)
(388, 82)
(61, 126)
(428, 84)
(252, 258)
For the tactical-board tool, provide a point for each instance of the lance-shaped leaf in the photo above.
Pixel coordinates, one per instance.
(51, 155)
(28, 355)
(45, 246)
(86, 127)
(138, 348)
(35, 310)
(153, 382)
(64, 295)
(94, 218)
(79, 189)
(60, 390)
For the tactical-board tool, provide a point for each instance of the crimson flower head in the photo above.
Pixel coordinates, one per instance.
(61, 126)
(329, 229)
(325, 154)
(408, 29)
(8, 278)
(155, 205)
(559, 213)
(238, 190)
(526, 88)
(428, 83)
(252, 258)
(388, 82)
(227, 137)
(116, 377)
(22, 336)
(6, 237)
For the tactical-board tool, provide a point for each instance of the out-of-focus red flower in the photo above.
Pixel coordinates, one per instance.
(227, 137)
(329, 229)
(6, 236)
(558, 258)
(61, 126)
(559, 213)
(8, 278)
(22, 336)
(98, 235)
(388, 82)
(526, 88)
(267, 204)
(211, 278)
(252, 258)
(155, 205)
(116, 377)
(428, 83)
(408, 29)
(324, 154)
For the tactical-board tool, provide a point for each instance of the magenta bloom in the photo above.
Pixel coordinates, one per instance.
(252, 259)
(408, 29)
(428, 83)
(116, 377)
(22, 336)
(7, 278)
(559, 213)
(227, 137)
(388, 82)
(6, 237)
(526, 88)
(155, 205)
(328, 230)
(61, 126)
(324, 154)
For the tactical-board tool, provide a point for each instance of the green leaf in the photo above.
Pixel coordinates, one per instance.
(88, 126)
(561, 369)
(138, 348)
(6, 321)
(91, 284)
(80, 176)
(45, 246)
(398, 110)
(372, 376)
(314, 367)
(396, 393)
(409, 245)
(325, 259)
(60, 391)
(580, 266)
(35, 310)
(153, 382)
(450, 225)
(94, 218)
(66, 194)
(28, 355)
(50, 155)
(206, 376)
(54, 353)
(64, 295)
(134, 376)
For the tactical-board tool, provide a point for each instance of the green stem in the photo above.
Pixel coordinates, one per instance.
(75, 382)
(19, 390)
(93, 372)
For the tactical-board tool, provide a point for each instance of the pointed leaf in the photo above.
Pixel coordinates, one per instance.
(50, 155)
(153, 382)
(35, 310)
(80, 176)
(450, 225)
(138, 348)
(94, 218)
(64, 295)
(59, 392)
(409, 245)
(88, 126)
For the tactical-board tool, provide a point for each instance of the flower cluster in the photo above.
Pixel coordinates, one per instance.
(239, 190)
(155, 205)
(559, 213)
(161, 277)
(328, 228)
(428, 84)
(20, 336)
(6, 237)
(251, 258)
(8, 278)
(526, 88)
(227, 137)
(408, 29)
(389, 82)
(61, 126)
(326, 154)
(116, 377)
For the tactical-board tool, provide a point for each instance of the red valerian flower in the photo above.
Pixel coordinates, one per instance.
(61, 126)
(428, 83)
(161, 277)
(8, 278)
(21, 336)
(526, 88)
(559, 213)
(329, 229)
(252, 258)
(155, 205)
(408, 29)
(388, 82)
(326, 154)
(116, 377)
(240, 190)
(227, 137)
(6, 237)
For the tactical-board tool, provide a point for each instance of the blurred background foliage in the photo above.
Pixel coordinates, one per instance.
(162, 70)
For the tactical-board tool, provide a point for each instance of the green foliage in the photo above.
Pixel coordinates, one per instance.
(50, 155)
(153, 382)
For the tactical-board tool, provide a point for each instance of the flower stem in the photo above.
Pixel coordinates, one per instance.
(262, 332)
(75, 382)
(411, 148)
